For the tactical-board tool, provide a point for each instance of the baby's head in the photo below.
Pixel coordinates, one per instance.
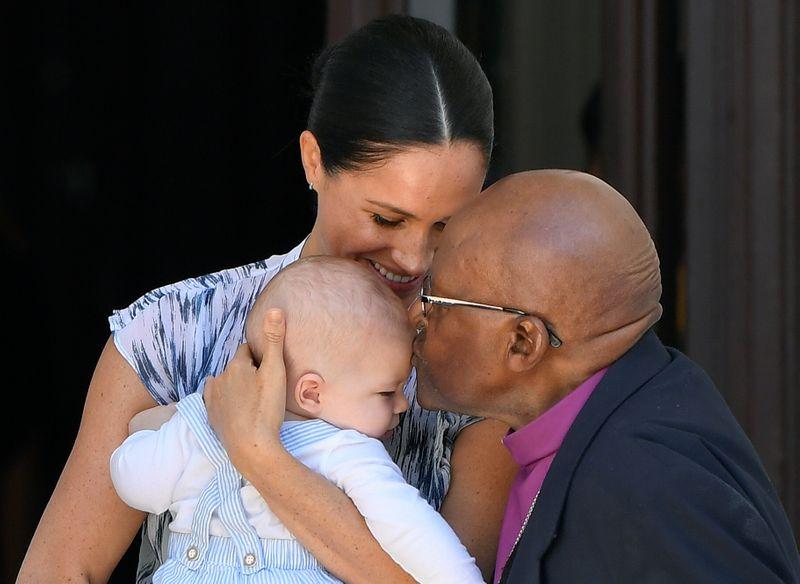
(348, 343)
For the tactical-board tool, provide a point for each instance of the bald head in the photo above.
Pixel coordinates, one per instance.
(566, 246)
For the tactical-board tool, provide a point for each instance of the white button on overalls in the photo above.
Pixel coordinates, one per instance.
(249, 560)
(192, 553)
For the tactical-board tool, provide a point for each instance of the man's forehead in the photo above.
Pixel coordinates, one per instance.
(461, 263)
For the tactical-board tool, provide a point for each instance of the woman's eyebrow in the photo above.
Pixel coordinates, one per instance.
(393, 209)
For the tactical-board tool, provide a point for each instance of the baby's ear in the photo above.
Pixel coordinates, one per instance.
(306, 392)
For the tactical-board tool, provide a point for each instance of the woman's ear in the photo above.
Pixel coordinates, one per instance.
(311, 157)
(528, 342)
(307, 392)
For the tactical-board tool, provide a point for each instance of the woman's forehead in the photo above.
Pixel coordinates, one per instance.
(415, 175)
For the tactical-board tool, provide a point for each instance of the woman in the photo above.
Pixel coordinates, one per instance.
(399, 137)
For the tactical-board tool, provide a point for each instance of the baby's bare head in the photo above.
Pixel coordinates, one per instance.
(333, 308)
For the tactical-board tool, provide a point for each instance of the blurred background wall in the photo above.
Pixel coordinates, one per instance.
(146, 144)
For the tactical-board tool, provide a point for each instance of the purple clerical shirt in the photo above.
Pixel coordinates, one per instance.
(533, 447)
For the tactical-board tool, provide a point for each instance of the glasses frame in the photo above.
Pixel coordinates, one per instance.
(424, 298)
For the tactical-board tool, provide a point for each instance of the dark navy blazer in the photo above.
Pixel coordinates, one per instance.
(656, 482)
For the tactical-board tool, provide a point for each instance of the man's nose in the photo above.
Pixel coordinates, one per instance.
(415, 313)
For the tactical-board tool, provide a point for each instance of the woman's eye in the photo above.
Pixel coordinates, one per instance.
(383, 221)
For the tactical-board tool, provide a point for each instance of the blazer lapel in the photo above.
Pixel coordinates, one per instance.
(642, 362)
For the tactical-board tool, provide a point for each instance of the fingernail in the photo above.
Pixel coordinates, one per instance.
(274, 316)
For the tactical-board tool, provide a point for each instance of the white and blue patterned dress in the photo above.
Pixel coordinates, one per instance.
(176, 336)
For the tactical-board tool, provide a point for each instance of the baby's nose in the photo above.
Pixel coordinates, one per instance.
(400, 403)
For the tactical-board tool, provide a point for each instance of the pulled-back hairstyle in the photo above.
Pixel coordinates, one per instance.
(397, 82)
(332, 306)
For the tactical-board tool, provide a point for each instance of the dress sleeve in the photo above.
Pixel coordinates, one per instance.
(175, 337)
(454, 423)
(145, 336)
(147, 466)
(406, 526)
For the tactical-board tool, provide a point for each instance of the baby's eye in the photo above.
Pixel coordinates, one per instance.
(387, 393)
(384, 222)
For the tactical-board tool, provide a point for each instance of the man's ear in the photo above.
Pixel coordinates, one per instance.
(528, 342)
(311, 157)
(307, 392)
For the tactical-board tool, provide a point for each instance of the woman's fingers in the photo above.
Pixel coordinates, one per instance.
(271, 372)
(210, 400)
(274, 334)
(243, 354)
(246, 405)
(242, 359)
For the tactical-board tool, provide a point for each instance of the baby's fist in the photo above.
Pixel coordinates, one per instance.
(151, 419)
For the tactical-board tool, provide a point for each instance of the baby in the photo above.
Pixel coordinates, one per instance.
(347, 353)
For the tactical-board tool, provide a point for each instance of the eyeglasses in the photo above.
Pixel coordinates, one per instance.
(426, 299)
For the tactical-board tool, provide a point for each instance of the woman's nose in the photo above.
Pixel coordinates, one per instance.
(414, 253)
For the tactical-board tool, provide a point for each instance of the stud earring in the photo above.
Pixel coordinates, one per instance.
(310, 186)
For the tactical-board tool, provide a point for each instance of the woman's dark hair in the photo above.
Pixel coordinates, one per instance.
(399, 81)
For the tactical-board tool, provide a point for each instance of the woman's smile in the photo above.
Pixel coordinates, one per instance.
(401, 284)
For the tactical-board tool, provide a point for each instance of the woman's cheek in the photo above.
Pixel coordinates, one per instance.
(368, 239)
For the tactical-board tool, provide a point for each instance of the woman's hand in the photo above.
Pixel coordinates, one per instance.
(246, 404)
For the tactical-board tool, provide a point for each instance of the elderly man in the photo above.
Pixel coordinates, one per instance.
(632, 469)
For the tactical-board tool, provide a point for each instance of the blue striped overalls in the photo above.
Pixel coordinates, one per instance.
(201, 558)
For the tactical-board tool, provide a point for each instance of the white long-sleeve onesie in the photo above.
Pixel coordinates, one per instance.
(168, 469)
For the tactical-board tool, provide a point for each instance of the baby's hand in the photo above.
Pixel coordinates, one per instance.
(151, 419)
